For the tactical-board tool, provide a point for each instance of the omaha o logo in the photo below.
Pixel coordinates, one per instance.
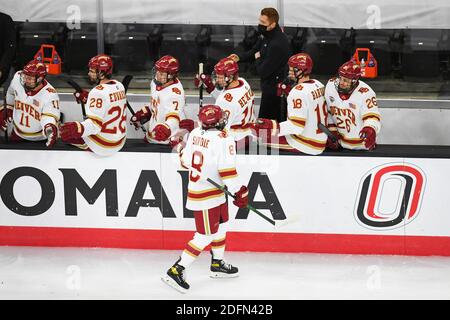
(389, 196)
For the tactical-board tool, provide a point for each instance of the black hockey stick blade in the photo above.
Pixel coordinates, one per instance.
(327, 132)
(74, 85)
(126, 81)
(77, 88)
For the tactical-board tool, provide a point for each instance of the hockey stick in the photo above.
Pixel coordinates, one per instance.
(327, 131)
(77, 88)
(126, 82)
(276, 224)
(224, 189)
(200, 89)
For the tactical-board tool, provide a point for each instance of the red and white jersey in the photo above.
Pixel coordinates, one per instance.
(105, 128)
(238, 104)
(213, 154)
(306, 107)
(349, 116)
(167, 106)
(32, 110)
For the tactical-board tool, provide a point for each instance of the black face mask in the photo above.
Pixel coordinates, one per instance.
(262, 29)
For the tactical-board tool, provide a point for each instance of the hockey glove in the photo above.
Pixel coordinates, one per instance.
(81, 96)
(161, 132)
(241, 197)
(204, 80)
(51, 132)
(187, 124)
(5, 117)
(264, 125)
(333, 145)
(369, 136)
(141, 117)
(71, 131)
(283, 89)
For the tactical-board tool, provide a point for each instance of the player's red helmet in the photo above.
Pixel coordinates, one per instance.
(102, 63)
(350, 70)
(167, 64)
(227, 67)
(35, 69)
(301, 62)
(212, 116)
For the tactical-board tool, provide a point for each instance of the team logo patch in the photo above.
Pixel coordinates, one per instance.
(332, 99)
(228, 97)
(390, 196)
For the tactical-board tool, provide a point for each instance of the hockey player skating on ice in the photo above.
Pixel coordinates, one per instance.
(209, 153)
(234, 95)
(104, 131)
(167, 104)
(306, 108)
(32, 105)
(353, 112)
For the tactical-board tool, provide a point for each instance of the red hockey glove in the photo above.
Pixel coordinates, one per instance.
(283, 89)
(5, 117)
(204, 80)
(333, 145)
(161, 132)
(369, 136)
(71, 131)
(187, 124)
(241, 197)
(51, 132)
(81, 96)
(141, 117)
(177, 143)
(264, 125)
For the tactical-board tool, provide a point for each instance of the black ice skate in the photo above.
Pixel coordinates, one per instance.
(176, 278)
(221, 269)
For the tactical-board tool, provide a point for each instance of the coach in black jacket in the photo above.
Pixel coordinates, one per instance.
(7, 45)
(270, 54)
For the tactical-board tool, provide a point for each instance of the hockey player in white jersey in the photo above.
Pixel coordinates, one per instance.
(353, 112)
(209, 153)
(167, 104)
(32, 105)
(306, 108)
(234, 95)
(104, 131)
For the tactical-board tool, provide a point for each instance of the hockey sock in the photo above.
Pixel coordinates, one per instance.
(194, 248)
(218, 242)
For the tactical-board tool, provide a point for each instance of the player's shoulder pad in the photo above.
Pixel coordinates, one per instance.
(17, 74)
(223, 134)
(176, 90)
(365, 90)
(49, 88)
(95, 93)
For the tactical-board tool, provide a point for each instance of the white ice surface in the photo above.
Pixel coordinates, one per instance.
(84, 273)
